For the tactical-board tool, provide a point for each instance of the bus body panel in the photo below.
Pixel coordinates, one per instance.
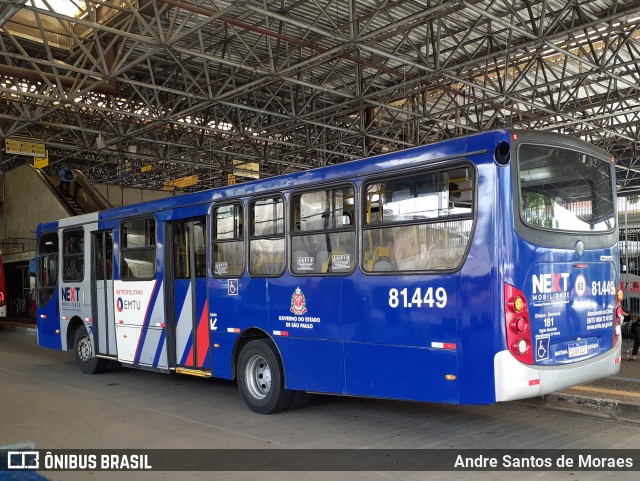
(248, 309)
(204, 351)
(49, 326)
(405, 325)
(226, 298)
(140, 323)
(571, 306)
(193, 336)
(414, 373)
(480, 330)
(236, 306)
(47, 310)
(314, 365)
(306, 307)
(515, 380)
(302, 332)
(308, 310)
(570, 295)
(183, 322)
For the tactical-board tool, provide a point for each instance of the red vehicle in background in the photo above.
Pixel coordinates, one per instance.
(3, 290)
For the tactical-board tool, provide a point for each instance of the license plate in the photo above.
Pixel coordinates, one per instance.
(578, 349)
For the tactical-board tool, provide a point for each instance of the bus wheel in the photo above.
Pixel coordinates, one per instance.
(261, 379)
(87, 362)
(299, 399)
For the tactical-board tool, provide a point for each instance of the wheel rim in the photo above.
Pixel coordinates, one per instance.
(258, 377)
(84, 349)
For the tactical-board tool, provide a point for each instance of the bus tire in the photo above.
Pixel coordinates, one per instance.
(87, 362)
(299, 400)
(261, 378)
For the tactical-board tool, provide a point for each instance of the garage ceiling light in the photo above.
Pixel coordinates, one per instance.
(71, 8)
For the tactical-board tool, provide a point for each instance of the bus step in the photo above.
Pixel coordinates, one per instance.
(110, 358)
(192, 372)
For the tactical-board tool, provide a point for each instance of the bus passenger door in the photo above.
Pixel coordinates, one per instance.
(186, 272)
(102, 293)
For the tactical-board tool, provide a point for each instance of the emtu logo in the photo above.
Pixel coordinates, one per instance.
(126, 305)
(550, 283)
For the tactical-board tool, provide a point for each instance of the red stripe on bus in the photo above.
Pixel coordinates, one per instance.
(203, 335)
(189, 360)
(145, 323)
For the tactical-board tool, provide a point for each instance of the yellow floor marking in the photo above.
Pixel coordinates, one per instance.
(611, 391)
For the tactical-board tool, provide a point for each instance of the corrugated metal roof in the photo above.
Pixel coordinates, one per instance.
(188, 87)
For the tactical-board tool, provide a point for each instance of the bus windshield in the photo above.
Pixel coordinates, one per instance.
(565, 190)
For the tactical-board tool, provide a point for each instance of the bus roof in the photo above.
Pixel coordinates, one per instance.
(451, 148)
(436, 152)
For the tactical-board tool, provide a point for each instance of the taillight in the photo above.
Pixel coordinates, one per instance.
(518, 324)
(3, 299)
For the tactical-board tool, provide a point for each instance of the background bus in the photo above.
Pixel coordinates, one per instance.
(3, 290)
(474, 270)
(630, 286)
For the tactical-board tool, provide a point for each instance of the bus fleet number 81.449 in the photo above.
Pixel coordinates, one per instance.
(403, 298)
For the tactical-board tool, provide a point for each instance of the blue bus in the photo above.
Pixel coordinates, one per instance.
(474, 270)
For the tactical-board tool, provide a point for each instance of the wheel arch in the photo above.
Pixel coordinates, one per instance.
(74, 325)
(244, 338)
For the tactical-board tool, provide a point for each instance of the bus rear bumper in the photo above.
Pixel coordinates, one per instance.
(514, 380)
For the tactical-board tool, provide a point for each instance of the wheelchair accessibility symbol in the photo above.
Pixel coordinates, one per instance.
(232, 289)
(542, 348)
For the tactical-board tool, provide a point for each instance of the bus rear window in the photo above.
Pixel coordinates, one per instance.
(561, 189)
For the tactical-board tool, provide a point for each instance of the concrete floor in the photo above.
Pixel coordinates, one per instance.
(46, 400)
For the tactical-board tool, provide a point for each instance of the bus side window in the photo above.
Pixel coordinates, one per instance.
(73, 255)
(323, 232)
(416, 222)
(227, 243)
(381, 259)
(53, 271)
(266, 237)
(138, 249)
